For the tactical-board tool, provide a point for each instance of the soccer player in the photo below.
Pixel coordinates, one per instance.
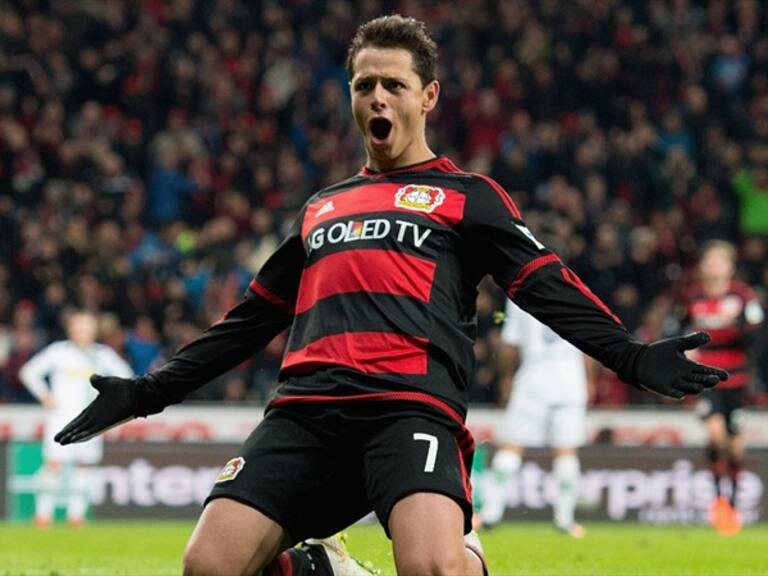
(377, 280)
(730, 311)
(58, 377)
(547, 407)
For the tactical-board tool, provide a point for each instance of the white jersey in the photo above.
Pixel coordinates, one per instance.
(551, 368)
(68, 370)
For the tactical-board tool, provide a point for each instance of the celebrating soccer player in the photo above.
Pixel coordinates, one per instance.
(378, 280)
(731, 312)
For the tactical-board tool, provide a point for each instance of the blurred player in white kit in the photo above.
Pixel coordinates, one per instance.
(547, 407)
(58, 376)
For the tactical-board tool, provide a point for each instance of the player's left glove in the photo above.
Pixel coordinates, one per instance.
(119, 400)
(662, 368)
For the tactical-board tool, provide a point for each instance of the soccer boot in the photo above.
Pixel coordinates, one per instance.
(341, 562)
(732, 525)
(576, 531)
(720, 513)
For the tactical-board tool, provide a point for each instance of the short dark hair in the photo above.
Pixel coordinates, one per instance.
(397, 31)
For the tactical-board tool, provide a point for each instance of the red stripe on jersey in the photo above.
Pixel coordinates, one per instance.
(730, 336)
(465, 439)
(465, 480)
(726, 359)
(380, 197)
(367, 352)
(257, 288)
(447, 165)
(735, 380)
(379, 271)
(575, 281)
(529, 269)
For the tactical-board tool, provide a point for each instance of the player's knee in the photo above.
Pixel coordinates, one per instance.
(202, 560)
(194, 562)
(433, 563)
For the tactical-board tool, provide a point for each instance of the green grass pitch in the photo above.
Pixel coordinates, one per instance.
(155, 548)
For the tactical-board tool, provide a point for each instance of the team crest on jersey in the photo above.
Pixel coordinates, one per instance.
(231, 469)
(419, 197)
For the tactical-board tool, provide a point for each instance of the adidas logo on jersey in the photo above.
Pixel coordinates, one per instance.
(325, 208)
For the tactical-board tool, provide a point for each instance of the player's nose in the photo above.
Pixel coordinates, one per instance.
(378, 97)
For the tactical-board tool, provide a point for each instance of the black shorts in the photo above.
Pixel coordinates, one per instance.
(725, 401)
(315, 470)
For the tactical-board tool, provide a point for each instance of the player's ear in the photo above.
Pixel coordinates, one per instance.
(430, 94)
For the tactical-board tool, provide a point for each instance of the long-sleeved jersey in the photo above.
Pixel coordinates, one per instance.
(730, 319)
(378, 281)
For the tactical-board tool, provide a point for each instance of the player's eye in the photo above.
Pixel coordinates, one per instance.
(394, 85)
(364, 86)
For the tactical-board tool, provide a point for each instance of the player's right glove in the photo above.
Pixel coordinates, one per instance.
(119, 400)
(662, 368)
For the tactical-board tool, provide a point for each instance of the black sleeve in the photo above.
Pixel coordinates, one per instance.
(537, 280)
(265, 311)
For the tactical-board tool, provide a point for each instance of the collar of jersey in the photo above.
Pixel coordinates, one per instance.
(418, 167)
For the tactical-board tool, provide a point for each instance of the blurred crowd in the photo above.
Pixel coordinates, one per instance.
(153, 153)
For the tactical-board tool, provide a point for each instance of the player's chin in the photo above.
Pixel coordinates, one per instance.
(381, 149)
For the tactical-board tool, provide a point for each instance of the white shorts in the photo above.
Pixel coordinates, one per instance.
(533, 423)
(89, 452)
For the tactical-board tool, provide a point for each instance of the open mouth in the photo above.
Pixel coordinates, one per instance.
(380, 128)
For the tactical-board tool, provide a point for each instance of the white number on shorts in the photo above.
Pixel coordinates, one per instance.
(429, 466)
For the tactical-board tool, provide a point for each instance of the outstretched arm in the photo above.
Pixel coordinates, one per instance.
(542, 285)
(265, 311)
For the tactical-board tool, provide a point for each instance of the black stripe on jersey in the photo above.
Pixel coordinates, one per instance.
(429, 248)
(336, 314)
(733, 344)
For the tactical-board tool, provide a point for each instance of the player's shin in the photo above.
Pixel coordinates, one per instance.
(567, 472)
(77, 497)
(495, 485)
(717, 466)
(734, 472)
(45, 501)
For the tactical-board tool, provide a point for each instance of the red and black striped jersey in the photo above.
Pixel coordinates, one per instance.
(729, 319)
(378, 281)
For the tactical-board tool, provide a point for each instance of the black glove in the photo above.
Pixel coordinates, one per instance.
(662, 368)
(119, 400)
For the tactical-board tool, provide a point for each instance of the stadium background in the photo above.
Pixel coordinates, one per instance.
(152, 154)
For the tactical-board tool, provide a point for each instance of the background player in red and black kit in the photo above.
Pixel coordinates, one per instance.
(729, 310)
(378, 281)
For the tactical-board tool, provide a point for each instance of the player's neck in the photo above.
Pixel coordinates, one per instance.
(412, 155)
(715, 287)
